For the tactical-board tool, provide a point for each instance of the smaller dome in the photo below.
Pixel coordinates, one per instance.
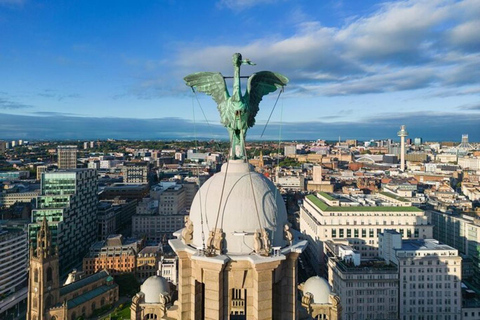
(319, 288)
(153, 287)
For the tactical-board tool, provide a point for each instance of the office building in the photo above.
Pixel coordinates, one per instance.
(68, 200)
(125, 191)
(13, 267)
(8, 199)
(106, 220)
(135, 172)
(429, 274)
(67, 157)
(359, 220)
(367, 289)
(462, 232)
(148, 262)
(116, 254)
(170, 217)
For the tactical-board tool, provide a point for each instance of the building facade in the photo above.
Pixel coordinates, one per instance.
(148, 262)
(324, 217)
(135, 172)
(430, 275)
(13, 267)
(116, 255)
(67, 157)
(69, 201)
(462, 232)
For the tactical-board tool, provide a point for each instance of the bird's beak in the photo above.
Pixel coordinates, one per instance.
(247, 61)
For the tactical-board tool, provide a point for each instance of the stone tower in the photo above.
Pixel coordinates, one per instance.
(43, 286)
(237, 253)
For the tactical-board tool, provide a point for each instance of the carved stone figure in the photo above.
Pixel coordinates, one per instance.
(257, 242)
(238, 111)
(287, 234)
(187, 232)
(266, 242)
(216, 242)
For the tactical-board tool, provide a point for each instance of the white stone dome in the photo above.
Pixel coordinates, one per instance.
(153, 287)
(319, 288)
(238, 218)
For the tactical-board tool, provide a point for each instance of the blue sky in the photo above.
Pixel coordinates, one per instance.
(357, 69)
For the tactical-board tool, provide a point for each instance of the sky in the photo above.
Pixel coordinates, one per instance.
(357, 69)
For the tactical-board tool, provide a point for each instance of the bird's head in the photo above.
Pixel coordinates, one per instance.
(237, 59)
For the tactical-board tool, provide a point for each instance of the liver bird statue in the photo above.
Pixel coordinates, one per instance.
(238, 111)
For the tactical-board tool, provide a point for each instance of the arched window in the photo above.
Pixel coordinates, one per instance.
(102, 302)
(74, 316)
(35, 303)
(83, 311)
(53, 318)
(49, 274)
(93, 306)
(35, 275)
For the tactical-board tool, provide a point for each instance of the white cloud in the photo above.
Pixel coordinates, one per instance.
(404, 45)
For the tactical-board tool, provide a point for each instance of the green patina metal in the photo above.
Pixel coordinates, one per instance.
(238, 111)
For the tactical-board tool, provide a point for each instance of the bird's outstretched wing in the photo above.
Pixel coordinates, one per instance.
(211, 83)
(259, 85)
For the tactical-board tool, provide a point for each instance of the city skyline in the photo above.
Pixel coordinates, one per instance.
(357, 69)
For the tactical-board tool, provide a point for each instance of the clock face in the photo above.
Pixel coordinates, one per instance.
(36, 289)
(49, 288)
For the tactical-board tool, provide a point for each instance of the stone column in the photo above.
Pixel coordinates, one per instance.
(289, 289)
(262, 295)
(186, 286)
(213, 278)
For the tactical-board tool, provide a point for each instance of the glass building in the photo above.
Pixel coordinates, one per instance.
(68, 200)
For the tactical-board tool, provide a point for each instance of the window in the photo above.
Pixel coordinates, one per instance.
(49, 274)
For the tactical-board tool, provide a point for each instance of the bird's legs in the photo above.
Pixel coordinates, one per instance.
(237, 143)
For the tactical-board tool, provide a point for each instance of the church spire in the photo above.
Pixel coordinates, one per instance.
(44, 240)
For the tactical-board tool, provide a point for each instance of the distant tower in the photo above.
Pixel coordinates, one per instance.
(402, 134)
(465, 145)
(67, 157)
(43, 287)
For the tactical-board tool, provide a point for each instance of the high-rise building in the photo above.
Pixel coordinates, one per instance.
(67, 157)
(69, 201)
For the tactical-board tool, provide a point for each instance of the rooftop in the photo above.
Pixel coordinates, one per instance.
(83, 282)
(424, 244)
(325, 207)
(370, 266)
